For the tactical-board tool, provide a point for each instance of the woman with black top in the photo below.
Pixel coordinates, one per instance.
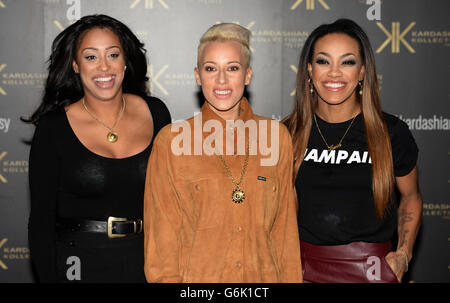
(349, 159)
(94, 134)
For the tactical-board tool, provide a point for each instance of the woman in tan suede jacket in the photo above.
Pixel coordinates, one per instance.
(220, 205)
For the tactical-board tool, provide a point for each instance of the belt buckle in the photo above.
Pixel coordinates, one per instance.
(111, 220)
(136, 229)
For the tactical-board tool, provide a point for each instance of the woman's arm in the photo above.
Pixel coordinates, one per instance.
(409, 219)
(284, 233)
(162, 216)
(44, 181)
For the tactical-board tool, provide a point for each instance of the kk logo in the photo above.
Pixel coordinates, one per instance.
(3, 179)
(60, 26)
(395, 37)
(2, 67)
(310, 4)
(149, 4)
(154, 78)
(294, 68)
(3, 265)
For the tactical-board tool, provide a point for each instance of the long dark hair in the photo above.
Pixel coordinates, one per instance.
(299, 122)
(63, 86)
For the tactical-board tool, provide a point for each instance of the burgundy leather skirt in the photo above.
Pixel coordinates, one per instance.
(357, 262)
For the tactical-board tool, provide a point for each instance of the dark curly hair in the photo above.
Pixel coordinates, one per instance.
(63, 86)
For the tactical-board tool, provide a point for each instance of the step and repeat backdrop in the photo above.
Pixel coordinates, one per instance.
(411, 39)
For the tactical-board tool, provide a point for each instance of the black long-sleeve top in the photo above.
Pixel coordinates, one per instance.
(69, 181)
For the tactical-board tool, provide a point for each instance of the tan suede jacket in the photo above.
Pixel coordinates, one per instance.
(195, 233)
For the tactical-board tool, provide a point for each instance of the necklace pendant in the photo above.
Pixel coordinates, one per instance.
(333, 147)
(112, 137)
(238, 196)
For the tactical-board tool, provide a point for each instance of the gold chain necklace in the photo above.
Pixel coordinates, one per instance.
(112, 136)
(333, 147)
(238, 195)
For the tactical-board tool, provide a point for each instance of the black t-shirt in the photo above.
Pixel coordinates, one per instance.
(335, 188)
(69, 181)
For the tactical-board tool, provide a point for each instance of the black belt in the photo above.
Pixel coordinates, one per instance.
(114, 227)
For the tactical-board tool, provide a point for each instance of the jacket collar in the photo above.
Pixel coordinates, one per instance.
(245, 115)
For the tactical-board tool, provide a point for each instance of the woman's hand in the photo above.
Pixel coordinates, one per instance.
(398, 263)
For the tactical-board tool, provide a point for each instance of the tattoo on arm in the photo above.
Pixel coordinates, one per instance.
(404, 216)
(403, 241)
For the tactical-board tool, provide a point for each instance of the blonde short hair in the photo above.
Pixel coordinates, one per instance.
(227, 32)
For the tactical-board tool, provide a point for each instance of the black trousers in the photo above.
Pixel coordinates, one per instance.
(89, 257)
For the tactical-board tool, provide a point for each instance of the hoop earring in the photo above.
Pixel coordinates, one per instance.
(311, 86)
(360, 88)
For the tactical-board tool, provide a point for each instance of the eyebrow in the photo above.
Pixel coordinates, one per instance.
(344, 55)
(94, 48)
(230, 62)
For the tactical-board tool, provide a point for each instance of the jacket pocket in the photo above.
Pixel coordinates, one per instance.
(209, 209)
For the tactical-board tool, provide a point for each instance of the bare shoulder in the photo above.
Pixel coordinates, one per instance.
(137, 107)
(76, 113)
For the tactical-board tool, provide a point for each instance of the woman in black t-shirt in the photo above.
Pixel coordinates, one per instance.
(349, 158)
(94, 132)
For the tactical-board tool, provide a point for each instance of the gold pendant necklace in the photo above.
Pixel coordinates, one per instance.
(112, 136)
(333, 147)
(238, 195)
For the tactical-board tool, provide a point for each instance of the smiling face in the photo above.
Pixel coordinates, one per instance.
(336, 68)
(100, 63)
(223, 73)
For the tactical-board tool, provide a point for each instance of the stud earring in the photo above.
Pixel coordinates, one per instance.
(360, 88)
(125, 68)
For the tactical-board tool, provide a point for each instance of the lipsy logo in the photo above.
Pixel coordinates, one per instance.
(4, 124)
